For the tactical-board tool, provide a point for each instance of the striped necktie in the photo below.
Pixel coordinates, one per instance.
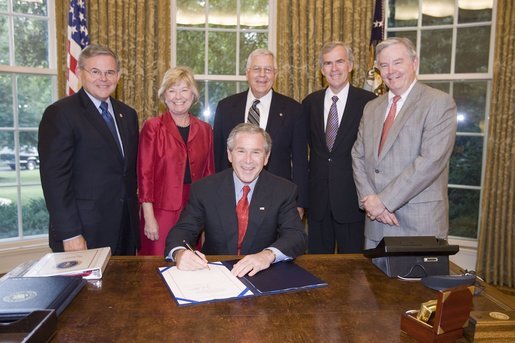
(332, 124)
(253, 116)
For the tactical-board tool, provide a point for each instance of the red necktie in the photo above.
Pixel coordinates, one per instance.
(242, 211)
(388, 122)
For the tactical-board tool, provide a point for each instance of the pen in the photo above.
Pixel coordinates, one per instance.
(193, 251)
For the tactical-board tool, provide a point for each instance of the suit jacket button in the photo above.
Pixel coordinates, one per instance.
(329, 160)
(377, 171)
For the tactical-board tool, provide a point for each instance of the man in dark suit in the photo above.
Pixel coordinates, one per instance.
(244, 210)
(88, 144)
(279, 115)
(333, 115)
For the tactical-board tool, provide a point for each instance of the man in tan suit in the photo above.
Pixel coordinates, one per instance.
(401, 155)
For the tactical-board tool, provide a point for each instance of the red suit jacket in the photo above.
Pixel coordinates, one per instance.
(162, 158)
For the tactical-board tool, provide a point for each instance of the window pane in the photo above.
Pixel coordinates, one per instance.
(30, 7)
(31, 37)
(34, 212)
(474, 11)
(6, 101)
(8, 211)
(411, 35)
(435, 52)
(443, 86)
(222, 13)
(29, 157)
(7, 157)
(254, 14)
(249, 41)
(437, 12)
(190, 50)
(30, 107)
(472, 47)
(463, 212)
(403, 13)
(3, 5)
(198, 109)
(222, 53)
(191, 13)
(4, 40)
(217, 91)
(466, 161)
(470, 97)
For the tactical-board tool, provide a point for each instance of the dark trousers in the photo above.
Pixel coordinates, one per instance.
(126, 242)
(327, 234)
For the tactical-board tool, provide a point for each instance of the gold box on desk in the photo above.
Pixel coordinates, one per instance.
(451, 316)
(491, 326)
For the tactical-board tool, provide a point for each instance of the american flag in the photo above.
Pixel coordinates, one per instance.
(373, 80)
(77, 40)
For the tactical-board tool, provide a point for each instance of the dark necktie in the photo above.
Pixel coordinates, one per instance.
(110, 122)
(332, 124)
(388, 122)
(242, 212)
(253, 116)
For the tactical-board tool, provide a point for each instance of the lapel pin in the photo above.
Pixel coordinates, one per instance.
(121, 115)
(280, 114)
(261, 208)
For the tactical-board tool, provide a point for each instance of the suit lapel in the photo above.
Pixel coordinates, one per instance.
(93, 115)
(275, 117)
(378, 124)
(318, 117)
(227, 211)
(400, 120)
(172, 128)
(346, 119)
(257, 211)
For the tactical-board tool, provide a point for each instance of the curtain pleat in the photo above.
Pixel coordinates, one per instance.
(304, 26)
(496, 248)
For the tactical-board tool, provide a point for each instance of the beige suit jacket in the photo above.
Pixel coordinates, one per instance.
(410, 175)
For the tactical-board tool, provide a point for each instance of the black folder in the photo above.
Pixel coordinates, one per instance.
(26, 294)
(280, 277)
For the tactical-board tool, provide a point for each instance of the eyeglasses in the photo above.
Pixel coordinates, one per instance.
(266, 70)
(97, 73)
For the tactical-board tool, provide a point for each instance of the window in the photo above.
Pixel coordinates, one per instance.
(214, 39)
(454, 39)
(27, 86)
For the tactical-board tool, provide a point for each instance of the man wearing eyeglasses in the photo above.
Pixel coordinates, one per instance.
(279, 115)
(88, 144)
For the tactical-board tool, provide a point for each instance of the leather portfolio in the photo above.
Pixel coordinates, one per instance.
(26, 294)
(35, 327)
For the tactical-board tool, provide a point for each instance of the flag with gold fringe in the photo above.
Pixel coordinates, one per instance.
(373, 80)
(77, 40)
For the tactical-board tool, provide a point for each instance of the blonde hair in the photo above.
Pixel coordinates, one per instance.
(174, 76)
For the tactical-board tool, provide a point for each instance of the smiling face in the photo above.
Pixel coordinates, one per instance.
(99, 87)
(248, 156)
(261, 74)
(336, 68)
(179, 98)
(398, 69)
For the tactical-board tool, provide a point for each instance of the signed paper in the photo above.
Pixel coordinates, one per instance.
(216, 283)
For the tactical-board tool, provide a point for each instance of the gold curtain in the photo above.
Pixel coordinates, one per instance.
(496, 252)
(139, 31)
(303, 26)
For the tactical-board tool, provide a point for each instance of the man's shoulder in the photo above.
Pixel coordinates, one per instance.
(233, 98)
(275, 182)
(212, 180)
(122, 106)
(360, 93)
(284, 99)
(315, 96)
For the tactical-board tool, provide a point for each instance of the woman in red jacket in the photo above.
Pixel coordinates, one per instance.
(175, 149)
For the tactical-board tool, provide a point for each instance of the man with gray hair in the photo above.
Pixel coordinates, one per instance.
(279, 115)
(243, 211)
(88, 143)
(335, 220)
(401, 155)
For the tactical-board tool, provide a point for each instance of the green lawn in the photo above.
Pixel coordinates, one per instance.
(27, 192)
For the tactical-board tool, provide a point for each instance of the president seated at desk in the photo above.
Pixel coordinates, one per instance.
(244, 210)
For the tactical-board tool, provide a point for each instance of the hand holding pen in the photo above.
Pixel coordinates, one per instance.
(197, 253)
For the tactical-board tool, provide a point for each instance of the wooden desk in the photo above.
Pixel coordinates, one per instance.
(361, 304)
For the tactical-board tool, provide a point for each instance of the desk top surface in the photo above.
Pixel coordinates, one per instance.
(361, 304)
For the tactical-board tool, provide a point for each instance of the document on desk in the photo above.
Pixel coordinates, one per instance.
(205, 285)
(218, 283)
